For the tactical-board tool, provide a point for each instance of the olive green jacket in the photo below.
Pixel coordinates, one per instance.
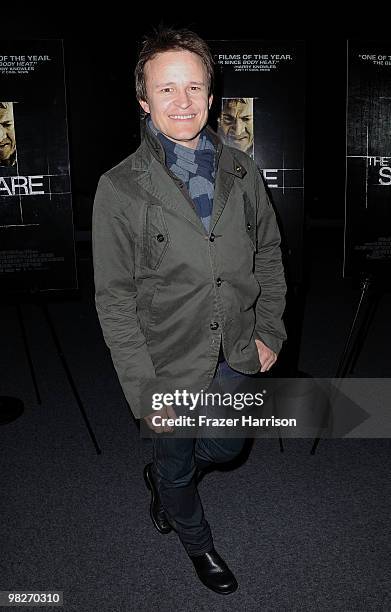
(166, 291)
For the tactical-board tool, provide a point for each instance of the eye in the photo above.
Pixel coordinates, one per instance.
(166, 89)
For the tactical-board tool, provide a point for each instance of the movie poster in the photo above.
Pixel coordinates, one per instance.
(368, 160)
(260, 88)
(36, 224)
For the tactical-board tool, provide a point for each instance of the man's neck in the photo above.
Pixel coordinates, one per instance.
(188, 144)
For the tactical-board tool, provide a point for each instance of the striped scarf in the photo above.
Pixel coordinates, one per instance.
(195, 167)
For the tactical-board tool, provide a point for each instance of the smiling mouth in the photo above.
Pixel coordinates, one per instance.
(182, 117)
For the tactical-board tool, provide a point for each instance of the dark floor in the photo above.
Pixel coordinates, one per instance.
(301, 532)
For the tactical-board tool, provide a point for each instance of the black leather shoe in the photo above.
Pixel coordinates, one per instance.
(156, 510)
(214, 573)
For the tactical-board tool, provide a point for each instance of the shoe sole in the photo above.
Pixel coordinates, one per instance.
(217, 590)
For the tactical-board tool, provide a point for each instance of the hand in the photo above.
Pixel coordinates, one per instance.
(267, 357)
(165, 412)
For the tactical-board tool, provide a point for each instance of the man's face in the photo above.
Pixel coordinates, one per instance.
(177, 93)
(236, 124)
(7, 133)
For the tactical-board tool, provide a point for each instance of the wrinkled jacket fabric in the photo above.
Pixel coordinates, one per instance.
(167, 292)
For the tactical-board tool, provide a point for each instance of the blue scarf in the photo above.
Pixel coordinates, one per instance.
(195, 167)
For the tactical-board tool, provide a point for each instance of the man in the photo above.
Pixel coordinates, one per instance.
(188, 277)
(236, 124)
(7, 135)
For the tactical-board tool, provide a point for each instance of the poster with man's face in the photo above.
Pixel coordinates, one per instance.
(36, 219)
(260, 112)
(236, 124)
(7, 134)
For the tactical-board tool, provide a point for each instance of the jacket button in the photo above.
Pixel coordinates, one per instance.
(212, 237)
(238, 168)
(218, 282)
(249, 226)
(160, 237)
(214, 325)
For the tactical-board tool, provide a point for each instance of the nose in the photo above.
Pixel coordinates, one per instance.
(3, 133)
(183, 99)
(238, 127)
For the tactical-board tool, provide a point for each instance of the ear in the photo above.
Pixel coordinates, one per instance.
(210, 100)
(144, 105)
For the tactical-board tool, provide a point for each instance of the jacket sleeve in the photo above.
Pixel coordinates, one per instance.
(115, 295)
(269, 272)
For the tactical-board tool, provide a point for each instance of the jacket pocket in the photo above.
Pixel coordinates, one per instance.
(156, 237)
(250, 221)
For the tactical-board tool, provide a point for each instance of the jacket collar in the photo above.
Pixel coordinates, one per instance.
(150, 159)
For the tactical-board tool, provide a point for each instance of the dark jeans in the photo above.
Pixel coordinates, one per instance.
(174, 465)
